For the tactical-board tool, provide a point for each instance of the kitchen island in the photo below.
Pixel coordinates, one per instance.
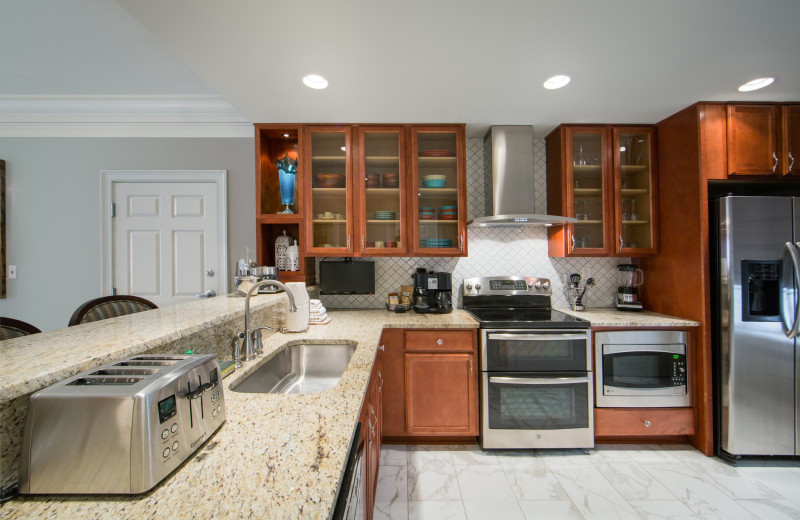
(277, 456)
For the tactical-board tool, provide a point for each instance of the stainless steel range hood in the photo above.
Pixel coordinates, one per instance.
(508, 170)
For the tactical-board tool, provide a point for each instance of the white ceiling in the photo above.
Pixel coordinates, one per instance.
(473, 61)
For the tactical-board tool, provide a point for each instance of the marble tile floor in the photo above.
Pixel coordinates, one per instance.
(612, 481)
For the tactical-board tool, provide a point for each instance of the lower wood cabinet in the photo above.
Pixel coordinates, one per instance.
(441, 393)
(371, 413)
(642, 422)
(431, 380)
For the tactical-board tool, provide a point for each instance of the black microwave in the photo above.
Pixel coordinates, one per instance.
(647, 368)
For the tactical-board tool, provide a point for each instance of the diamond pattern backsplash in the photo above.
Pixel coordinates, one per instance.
(495, 251)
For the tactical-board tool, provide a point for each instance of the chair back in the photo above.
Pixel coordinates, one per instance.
(109, 307)
(11, 328)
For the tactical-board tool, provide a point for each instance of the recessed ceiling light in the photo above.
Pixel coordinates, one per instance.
(315, 81)
(756, 84)
(555, 82)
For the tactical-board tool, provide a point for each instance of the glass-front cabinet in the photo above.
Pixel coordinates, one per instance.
(329, 213)
(603, 176)
(438, 198)
(589, 166)
(634, 224)
(381, 182)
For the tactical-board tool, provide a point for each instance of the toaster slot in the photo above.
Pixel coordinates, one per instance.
(125, 372)
(131, 363)
(101, 380)
(158, 358)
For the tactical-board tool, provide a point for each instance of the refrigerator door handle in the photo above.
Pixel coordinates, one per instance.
(794, 255)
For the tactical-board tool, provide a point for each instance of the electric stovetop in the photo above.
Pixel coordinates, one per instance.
(522, 318)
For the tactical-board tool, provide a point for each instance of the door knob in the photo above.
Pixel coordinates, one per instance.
(208, 294)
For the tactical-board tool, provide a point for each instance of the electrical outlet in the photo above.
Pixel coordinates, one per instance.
(12, 272)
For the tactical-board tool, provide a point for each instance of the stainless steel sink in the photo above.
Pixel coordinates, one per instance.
(300, 369)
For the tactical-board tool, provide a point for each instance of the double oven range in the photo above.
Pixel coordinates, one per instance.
(536, 371)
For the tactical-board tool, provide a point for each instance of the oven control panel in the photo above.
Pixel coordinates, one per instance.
(505, 285)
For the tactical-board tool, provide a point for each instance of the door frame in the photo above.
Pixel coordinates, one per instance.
(109, 177)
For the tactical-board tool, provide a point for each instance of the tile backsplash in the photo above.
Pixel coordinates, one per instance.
(495, 251)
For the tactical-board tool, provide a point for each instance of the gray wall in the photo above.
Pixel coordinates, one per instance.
(53, 211)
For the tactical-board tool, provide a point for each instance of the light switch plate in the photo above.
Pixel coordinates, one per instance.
(12, 272)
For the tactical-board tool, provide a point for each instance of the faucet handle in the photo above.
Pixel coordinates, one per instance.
(237, 349)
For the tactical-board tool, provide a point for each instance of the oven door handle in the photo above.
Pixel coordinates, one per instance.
(538, 380)
(536, 337)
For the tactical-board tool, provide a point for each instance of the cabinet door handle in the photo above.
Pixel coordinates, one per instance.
(647, 423)
(621, 242)
(348, 241)
(380, 386)
(363, 243)
(470, 365)
(775, 166)
(461, 242)
(439, 341)
(572, 250)
(382, 347)
(791, 164)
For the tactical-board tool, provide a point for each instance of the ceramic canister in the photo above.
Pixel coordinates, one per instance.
(282, 243)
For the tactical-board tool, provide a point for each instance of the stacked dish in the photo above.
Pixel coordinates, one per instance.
(427, 213)
(384, 215)
(391, 180)
(448, 213)
(435, 242)
(434, 181)
(373, 180)
(437, 153)
(329, 180)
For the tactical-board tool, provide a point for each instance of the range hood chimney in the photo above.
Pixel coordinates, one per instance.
(508, 171)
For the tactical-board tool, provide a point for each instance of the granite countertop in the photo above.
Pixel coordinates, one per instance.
(277, 456)
(611, 317)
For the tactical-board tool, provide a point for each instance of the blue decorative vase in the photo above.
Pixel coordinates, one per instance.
(287, 171)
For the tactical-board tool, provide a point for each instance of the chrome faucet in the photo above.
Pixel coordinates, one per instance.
(253, 337)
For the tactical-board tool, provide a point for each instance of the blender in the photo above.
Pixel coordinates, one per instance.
(629, 279)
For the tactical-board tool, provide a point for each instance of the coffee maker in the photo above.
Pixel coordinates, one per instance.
(433, 292)
(629, 278)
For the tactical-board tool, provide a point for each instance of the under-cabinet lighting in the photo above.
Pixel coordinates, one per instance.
(344, 148)
(315, 81)
(756, 84)
(555, 82)
(286, 135)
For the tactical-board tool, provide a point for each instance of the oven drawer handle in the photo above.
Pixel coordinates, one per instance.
(537, 380)
(537, 337)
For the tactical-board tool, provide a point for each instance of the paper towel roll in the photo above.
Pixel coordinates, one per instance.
(298, 321)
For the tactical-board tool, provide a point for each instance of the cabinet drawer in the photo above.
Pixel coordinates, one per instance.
(441, 340)
(615, 422)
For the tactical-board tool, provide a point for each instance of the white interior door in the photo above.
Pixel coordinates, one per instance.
(166, 240)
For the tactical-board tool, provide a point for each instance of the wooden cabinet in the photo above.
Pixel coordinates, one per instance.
(752, 140)
(371, 419)
(328, 190)
(431, 378)
(441, 393)
(642, 422)
(763, 139)
(604, 176)
(271, 143)
(790, 140)
(358, 185)
(438, 204)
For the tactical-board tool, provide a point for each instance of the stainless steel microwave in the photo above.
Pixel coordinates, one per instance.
(647, 368)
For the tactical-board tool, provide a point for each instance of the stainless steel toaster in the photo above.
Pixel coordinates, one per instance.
(122, 427)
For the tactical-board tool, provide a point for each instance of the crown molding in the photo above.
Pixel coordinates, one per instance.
(121, 116)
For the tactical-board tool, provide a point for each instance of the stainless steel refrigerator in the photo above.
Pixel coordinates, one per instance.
(757, 322)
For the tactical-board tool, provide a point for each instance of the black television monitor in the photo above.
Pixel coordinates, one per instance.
(343, 277)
